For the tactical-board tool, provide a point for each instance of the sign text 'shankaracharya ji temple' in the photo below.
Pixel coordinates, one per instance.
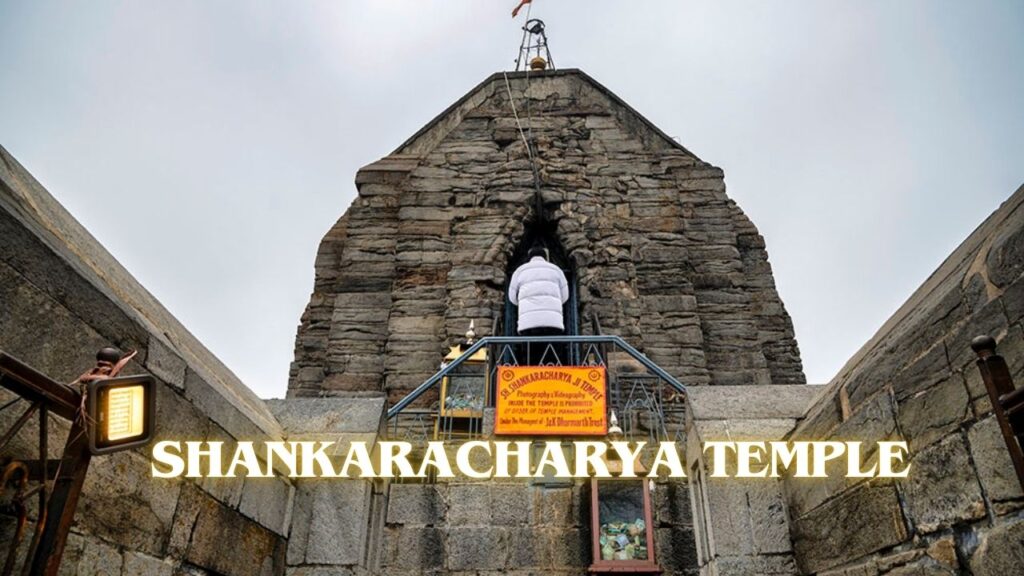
(537, 264)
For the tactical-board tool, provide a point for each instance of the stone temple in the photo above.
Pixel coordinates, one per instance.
(656, 251)
(656, 254)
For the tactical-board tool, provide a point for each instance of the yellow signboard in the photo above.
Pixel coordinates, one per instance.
(551, 400)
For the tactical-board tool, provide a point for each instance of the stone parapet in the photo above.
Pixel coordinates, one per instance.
(960, 509)
(62, 298)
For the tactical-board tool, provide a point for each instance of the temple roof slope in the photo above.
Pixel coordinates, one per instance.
(661, 256)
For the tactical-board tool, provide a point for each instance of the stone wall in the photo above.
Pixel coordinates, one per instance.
(62, 298)
(961, 510)
(336, 523)
(516, 528)
(662, 256)
(742, 524)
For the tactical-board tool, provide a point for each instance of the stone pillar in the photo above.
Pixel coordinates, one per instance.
(334, 530)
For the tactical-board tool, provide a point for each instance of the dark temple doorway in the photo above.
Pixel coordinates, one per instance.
(543, 234)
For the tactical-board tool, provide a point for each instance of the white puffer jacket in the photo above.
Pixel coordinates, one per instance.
(539, 289)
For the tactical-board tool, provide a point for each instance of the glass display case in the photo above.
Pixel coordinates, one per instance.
(621, 525)
(464, 394)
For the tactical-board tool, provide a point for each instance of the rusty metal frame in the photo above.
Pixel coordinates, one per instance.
(60, 481)
(1007, 402)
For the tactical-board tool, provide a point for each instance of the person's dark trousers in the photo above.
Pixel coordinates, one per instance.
(539, 353)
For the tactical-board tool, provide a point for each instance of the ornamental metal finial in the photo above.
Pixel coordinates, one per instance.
(533, 50)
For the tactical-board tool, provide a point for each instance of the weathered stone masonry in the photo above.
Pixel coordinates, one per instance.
(961, 510)
(62, 297)
(663, 257)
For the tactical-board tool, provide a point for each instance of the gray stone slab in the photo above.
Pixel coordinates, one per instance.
(328, 415)
(469, 505)
(1001, 551)
(268, 501)
(165, 363)
(750, 402)
(136, 564)
(99, 559)
(330, 521)
(414, 547)
(477, 548)
(203, 526)
(864, 520)
(942, 488)
(416, 504)
(122, 504)
(992, 461)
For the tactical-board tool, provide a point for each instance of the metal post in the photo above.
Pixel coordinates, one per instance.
(63, 501)
(999, 384)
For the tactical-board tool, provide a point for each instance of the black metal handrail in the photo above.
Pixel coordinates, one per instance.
(527, 340)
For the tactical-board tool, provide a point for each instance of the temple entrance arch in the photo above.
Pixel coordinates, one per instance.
(542, 233)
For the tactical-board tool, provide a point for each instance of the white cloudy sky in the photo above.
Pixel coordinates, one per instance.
(210, 144)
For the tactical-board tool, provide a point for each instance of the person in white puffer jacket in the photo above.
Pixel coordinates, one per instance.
(539, 289)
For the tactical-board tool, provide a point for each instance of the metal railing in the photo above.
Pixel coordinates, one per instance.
(57, 492)
(647, 400)
(57, 483)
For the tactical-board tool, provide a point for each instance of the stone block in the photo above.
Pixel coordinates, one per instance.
(552, 507)
(942, 488)
(1013, 300)
(865, 519)
(990, 320)
(122, 504)
(563, 547)
(477, 548)
(416, 504)
(59, 345)
(330, 519)
(1005, 258)
(226, 489)
(69, 561)
(768, 518)
(676, 549)
(165, 363)
(925, 372)
(98, 559)
(944, 552)
(730, 523)
(1001, 551)
(934, 412)
(992, 461)
(413, 547)
(136, 564)
(330, 571)
(523, 547)
(760, 565)
(510, 504)
(872, 421)
(177, 418)
(923, 567)
(671, 503)
(224, 408)
(202, 526)
(469, 505)
(750, 402)
(268, 501)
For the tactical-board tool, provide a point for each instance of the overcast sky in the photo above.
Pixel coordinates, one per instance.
(209, 145)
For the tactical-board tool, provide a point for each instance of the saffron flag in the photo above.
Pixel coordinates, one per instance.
(518, 8)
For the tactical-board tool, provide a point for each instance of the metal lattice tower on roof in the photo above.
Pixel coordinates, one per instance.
(533, 50)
